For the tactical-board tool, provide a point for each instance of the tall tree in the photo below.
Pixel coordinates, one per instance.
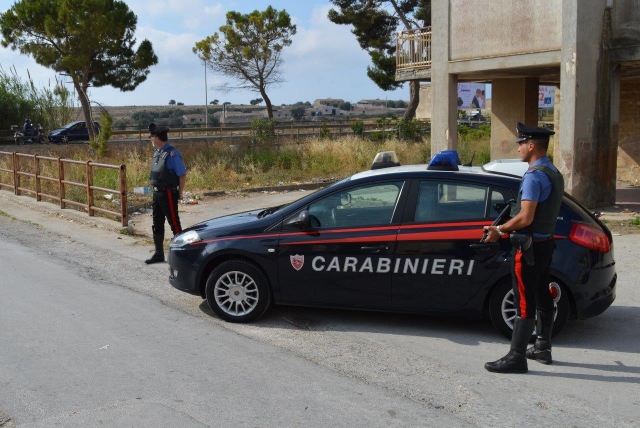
(375, 23)
(92, 41)
(248, 49)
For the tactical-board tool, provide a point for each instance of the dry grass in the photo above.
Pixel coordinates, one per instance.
(217, 166)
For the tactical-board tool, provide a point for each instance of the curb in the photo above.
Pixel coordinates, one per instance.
(283, 188)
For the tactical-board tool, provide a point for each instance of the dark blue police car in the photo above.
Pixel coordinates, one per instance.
(398, 238)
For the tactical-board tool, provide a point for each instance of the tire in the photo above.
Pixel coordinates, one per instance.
(64, 139)
(502, 309)
(237, 291)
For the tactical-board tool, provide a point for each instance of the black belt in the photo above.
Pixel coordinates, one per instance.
(162, 189)
(548, 238)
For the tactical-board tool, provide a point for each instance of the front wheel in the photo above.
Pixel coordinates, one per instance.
(502, 308)
(64, 139)
(237, 291)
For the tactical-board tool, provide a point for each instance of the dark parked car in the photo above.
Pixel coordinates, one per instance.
(73, 131)
(473, 119)
(401, 238)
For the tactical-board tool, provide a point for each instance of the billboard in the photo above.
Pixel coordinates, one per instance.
(546, 96)
(472, 95)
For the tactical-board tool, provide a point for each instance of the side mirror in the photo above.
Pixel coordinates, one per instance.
(345, 198)
(299, 221)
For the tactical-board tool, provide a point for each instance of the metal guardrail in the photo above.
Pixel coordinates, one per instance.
(27, 177)
(294, 130)
(413, 49)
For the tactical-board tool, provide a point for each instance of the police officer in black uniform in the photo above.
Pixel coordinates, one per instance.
(168, 177)
(532, 224)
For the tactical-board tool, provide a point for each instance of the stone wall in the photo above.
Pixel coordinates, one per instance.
(628, 170)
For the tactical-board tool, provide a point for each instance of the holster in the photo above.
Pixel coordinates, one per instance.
(524, 243)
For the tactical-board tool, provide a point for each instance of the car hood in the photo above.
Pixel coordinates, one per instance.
(248, 222)
(57, 131)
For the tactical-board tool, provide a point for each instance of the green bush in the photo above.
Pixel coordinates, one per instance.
(358, 128)
(262, 130)
(99, 144)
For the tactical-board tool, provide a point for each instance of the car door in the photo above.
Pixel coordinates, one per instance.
(439, 264)
(77, 132)
(344, 258)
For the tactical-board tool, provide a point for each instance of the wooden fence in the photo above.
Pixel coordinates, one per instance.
(25, 174)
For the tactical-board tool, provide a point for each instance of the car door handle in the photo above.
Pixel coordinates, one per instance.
(374, 248)
(485, 247)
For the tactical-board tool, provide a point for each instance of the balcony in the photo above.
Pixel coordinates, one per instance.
(413, 54)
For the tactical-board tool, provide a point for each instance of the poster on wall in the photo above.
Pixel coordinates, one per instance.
(546, 96)
(472, 95)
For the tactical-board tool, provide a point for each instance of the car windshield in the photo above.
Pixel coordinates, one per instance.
(69, 125)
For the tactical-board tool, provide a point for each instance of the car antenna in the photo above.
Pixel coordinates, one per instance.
(471, 161)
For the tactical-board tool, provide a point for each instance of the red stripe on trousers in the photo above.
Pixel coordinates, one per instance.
(521, 291)
(174, 220)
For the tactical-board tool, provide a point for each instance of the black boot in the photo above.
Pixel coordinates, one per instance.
(515, 361)
(158, 256)
(541, 350)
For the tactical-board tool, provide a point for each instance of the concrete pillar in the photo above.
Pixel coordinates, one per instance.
(512, 101)
(585, 147)
(444, 86)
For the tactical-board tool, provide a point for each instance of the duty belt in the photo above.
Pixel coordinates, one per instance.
(162, 189)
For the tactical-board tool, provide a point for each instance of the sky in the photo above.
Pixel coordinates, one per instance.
(324, 60)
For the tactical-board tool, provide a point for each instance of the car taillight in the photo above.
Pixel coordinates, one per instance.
(590, 237)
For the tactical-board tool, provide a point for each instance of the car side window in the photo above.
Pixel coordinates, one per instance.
(441, 201)
(499, 199)
(367, 205)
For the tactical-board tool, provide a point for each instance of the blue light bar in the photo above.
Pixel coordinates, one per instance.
(445, 160)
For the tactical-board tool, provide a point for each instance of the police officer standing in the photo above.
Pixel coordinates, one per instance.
(534, 217)
(168, 177)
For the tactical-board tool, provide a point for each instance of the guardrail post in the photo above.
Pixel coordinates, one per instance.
(14, 160)
(89, 189)
(61, 183)
(37, 172)
(123, 195)
(16, 169)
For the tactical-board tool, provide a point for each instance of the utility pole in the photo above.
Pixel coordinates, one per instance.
(206, 100)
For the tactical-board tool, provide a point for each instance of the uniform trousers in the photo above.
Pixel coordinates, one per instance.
(531, 283)
(165, 206)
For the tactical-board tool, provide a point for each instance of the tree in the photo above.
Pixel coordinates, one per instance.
(297, 113)
(346, 106)
(256, 101)
(180, 103)
(92, 41)
(214, 102)
(248, 49)
(375, 25)
(172, 102)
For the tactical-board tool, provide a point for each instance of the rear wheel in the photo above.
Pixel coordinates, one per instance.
(502, 308)
(64, 139)
(237, 291)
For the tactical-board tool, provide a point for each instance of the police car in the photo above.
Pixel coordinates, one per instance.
(394, 238)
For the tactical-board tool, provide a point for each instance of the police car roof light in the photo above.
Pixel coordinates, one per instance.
(385, 160)
(445, 160)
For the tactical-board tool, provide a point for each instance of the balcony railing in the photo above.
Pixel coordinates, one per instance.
(413, 49)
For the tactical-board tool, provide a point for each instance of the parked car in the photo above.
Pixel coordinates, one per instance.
(473, 119)
(73, 131)
(397, 238)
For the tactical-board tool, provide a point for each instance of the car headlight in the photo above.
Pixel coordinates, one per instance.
(186, 238)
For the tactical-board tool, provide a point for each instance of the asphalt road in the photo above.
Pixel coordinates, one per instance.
(162, 343)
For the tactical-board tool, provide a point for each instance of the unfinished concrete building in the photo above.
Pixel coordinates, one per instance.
(588, 49)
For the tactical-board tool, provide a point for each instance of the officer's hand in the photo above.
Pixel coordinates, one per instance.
(493, 235)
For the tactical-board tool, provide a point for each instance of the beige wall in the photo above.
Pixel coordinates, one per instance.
(628, 169)
(494, 28)
(424, 106)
